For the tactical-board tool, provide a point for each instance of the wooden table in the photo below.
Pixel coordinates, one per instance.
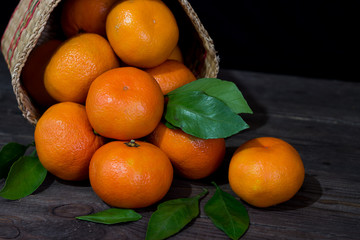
(319, 117)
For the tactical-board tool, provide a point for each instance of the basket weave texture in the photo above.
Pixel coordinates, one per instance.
(33, 21)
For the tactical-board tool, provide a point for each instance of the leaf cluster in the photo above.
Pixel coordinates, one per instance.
(226, 213)
(24, 174)
(207, 108)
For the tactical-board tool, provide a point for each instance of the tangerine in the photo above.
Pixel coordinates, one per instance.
(124, 103)
(130, 174)
(80, 16)
(33, 73)
(171, 74)
(266, 171)
(76, 63)
(143, 33)
(176, 54)
(192, 157)
(65, 141)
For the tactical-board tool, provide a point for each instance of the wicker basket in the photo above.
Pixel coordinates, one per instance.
(35, 21)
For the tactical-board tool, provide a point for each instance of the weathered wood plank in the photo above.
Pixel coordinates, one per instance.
(320, 118)
(316, 211)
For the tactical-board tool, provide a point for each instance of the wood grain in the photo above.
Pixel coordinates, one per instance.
(319, 117)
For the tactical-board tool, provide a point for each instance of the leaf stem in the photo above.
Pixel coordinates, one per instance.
(30, 145)
(213, 183)
(201, 195)
(33, 153)
(132, 143)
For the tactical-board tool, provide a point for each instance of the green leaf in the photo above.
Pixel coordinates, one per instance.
(112, 216)
(227, 213)
(8, 155)
(225, 91)
(24, 177)
(203, 116)
(169, 125)
(171, 216)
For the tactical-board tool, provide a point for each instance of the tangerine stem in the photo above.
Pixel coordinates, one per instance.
(132, 143)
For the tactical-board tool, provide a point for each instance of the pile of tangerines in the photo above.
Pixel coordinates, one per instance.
(102, 91)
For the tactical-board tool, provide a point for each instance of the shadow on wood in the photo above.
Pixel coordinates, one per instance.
(220, 176)
(83, 183)
(46, 183)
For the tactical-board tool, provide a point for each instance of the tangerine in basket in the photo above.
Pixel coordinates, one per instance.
(143, 33)
(192, 157)
(76, 63)
(85, 16)
(33, 73)
(266, 171)
(65, 141)
(176, 54)
(124, 103)
(171, 74)
(130, 174)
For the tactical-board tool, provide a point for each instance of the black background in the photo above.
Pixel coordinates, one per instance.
(305, 38)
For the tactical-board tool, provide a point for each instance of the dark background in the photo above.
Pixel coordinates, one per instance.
(305, 38)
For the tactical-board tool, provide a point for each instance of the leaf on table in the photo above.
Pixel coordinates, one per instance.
(203, 116)
(112, 216)
(24, 177)
(225, 91)
(172, 216)
(227, 213)
(8, 155)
